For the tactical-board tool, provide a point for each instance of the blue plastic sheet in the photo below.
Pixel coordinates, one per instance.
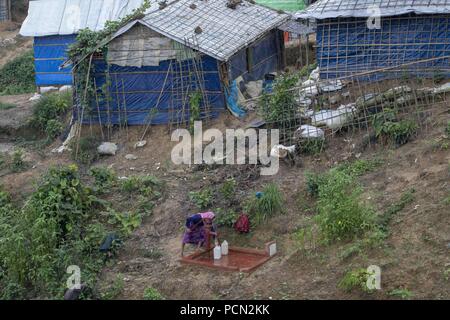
(346, 46)
(135, 93)
(49, 53)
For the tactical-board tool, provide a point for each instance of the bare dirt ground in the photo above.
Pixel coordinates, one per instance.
(415, 256)
(12, 44)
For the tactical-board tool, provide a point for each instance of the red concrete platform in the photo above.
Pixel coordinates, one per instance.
(238, 259)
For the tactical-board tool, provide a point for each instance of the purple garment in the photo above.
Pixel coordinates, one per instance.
(196, 235)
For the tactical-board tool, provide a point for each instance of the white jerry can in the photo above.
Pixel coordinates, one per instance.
(217, 252)
(224, 248)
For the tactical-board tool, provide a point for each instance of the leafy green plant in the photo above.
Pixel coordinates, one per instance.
(355, 280)
(6, 106)
(55, 228)
(359, 167)
(225, 217)
(17, 76)
(127, 221)
(313, 181)
(387, 126)
(17, 163)
(144, 185)
(267, 206)
(341, 213)
(228, 188)
(202, 199)
(48, 113)
(401, 293)
(152, 294)
(105, 178)
(279, 108)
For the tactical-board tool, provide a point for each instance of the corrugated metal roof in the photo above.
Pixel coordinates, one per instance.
(324, 9)
(63, 17)
(224, 31)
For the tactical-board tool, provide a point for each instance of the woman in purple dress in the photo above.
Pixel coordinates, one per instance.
(195, 229)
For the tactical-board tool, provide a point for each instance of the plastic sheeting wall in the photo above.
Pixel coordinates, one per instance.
(134, 93)
(346, 46)
(265, 57)
(4, 10)
(49, 53)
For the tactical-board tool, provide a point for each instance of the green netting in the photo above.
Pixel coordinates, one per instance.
(287, 5)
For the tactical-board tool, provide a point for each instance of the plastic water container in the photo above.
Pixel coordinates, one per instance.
(217, 252)
(224, 248)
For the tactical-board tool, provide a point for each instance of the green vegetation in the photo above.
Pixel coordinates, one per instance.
(85, 151)
(114, 290)
(104, 178)
(312, 146)
(279, 108)
(194, 107)
(341, 212)
(401, 293)
(17, 163)
(355, 280)
(17, 76)
(6, 106)
(306, 70)
(63, 223)
(228, 189)
(388, 127)
(202, 199)
(152, 294)
(267, 206)
(385, 218)
(225, 218)
(49, 111)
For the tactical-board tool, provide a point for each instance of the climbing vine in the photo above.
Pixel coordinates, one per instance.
(89, 43)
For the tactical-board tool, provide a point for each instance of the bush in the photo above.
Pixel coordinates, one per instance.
(17, 76)
(356, 279)
(279, 108)
(228, 188)
(18, 164)
(57, 227)
(144, 185)
(342, 214)
(202, 199)
(388, 127)
(87, 150)
(268, 205)
(225, 217)
(152, 294)
(49, 111)
(105, 178)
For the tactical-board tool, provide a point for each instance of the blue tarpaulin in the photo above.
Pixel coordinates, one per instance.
(153, 94)
(347, 46)
(49, 53)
